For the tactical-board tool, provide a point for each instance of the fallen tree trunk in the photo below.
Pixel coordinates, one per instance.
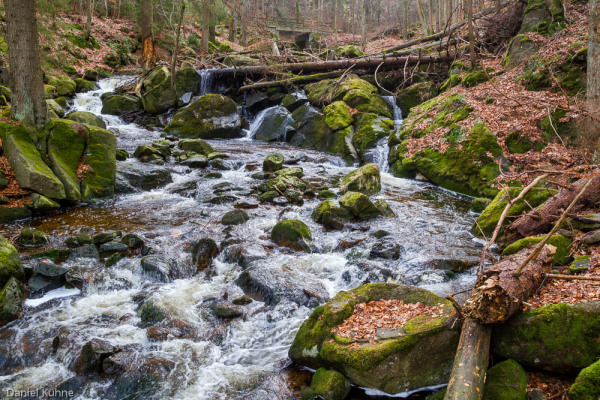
(499, 291)
(323, 66)
(540, 221)
(470, 364)
(298, 80)
(448, 31)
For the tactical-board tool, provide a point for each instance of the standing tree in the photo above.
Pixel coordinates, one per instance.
(205, 25)
(28, 101)
(88, 21)
(147, 20)
(593, 61)
(469, 6)
(176, 49)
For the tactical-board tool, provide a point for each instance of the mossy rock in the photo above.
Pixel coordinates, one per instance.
(580, 264)
(118, 104)
(366, 180)
(370, 129)
(368, 103)
(273, 162)
(11, 214)
(330, 215)
(421, 354)
(506, 381)
(10, 262)
(487, 221)
(32, 238)
(293, 234)
(211, 116)
(349, 51)
(83, 85)
(520, 49)
(198, 146)
(55, 110)
(454, 80)
(187, 80)
(359, 205)
(330, 385)
(587, 384)
(100, 158)
(566, 130)
(157, 94)
(88, 118)
(414, 95)
(151, 314)
(28, 165)
(12, 297)
(519, 143)
(42, 204)
(63, 85)
(479, 204)
(475, 78)
(235, 217)
(562, 244)
(337, 115)
(559, 338)
(329, 90)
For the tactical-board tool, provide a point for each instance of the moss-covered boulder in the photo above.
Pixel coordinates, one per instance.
(337, 115)
(474, 78)
(157, 94)
(88, 118)
(368, 103)
(370, 129)
(418, 354)
(83, 85)
(366, 180)
(414, 95)
(349, 51)
(100, 165)
(63, 85)
(560, 337)
(10, 263)
(453, 80)
(542, 17)
(506, 381)
(187, 80)
(32, 238)
(30, 169)
(10, 214)
(587, 384)
(235, 217)
(329, 385)
(42, 204)
(293, 234)
(487, 221)
(197, 146)
(54, 109)
(118, 104)
(12, 297)
(211, 116)
(562, 244)
(520, 49)
(330, 215)
(273, 162)
(359, 205)
(276, 125)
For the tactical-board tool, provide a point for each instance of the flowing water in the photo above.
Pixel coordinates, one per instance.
(245, 358)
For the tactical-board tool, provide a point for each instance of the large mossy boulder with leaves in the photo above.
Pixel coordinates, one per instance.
(12, 290)
(465, 161)
(543, 17)
(418, 354)
(414, 95)
(211, 116)
(559, 338)
(157, 94)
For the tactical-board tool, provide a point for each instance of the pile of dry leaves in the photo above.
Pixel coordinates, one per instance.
(383, 314)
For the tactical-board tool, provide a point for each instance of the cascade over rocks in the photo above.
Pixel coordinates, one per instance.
(416, 355)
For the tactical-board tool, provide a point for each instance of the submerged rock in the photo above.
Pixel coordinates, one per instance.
(293, 234)
(419, 354)
(235, 217)
(93, 355)
(204, 252)
(275, 125)
(211, 116)
(133, 176)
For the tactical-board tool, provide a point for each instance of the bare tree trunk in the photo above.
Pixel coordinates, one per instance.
(364, 24)
(205, 25)
(593, 61)
(422, 18)
(148, 51)
(28, 101)
(176, 50)
(469, 6)
(88, 23)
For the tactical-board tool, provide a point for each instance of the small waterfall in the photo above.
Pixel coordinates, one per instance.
(380, 155)
(251, 131)
(398, 120)
(206, 84)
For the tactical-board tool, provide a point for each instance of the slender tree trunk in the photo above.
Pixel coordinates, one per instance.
(28, 101)
(205, 25)
(176, 50)
(88, 23)
(469, 6)
(364, 24)
(593, 61)
(422, 18)
(147, 20)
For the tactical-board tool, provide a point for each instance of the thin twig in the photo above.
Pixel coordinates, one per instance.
(574, 277)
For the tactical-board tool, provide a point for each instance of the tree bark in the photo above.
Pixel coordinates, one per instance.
(470, 364)
(540, 221)
(147, 20)
(593, 61)
(88, 21)
(205, 26)
(176, 49)
(469, 5)
(299, 80)
(28, 101)
(499, 292)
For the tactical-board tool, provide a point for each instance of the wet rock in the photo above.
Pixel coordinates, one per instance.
(144, 177)
(293, 101)
(198, 146)
(10, 262)
(337, 115)
(223, 199)
(83, 238)
(505, 380)
(93, 355)
(420, 354)
(204, 252)
(117, 105)
(56, 255)
(121, 155)
(560, 337)
(294, 196)
(273, 162)
(110, 248)
(235, 217)
(157, 267)
(329, 385)
(214, 175)
(103, 238)
(380, 234)
(32, 238)
(386, 249)
(290, 172)
(157, 94)
(384, 208)
(246, 205)
(330, 215)
(226, 312)
(211, 116)
(88, 118)
(414, 95)
(479, 204)
(187, 80)
(113, 260)
(293, 234)
(276, 125)
(217, 155)
(87, 251)
(150, 314)
(42, 204)
(257, 101)
(149, 154)
(269, 196)
(221, 165)
(193, 160)
(359, 205)
(244, 255)
(366, 180)
(454, 264)
(587, 384)
(46, 276)
(12, 297)
(132, 241)
(242, 301)
(327, 195)
(11, 214)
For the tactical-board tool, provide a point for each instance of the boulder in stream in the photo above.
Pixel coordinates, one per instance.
(235, 217)
(275, 125)
(88, 118)
(146, 177)
(366, 179)
(12, 296)
(329, 385)
(330, 215)
(587, 384)
(273, 162)
(293, 234)
(204, 252)
(118, 104)
(359, 205)
(418, 354)
(10, 262)
(157, 94)
(211, 116)
(198, 146)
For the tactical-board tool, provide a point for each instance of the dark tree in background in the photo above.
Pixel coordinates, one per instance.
(28, 100)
